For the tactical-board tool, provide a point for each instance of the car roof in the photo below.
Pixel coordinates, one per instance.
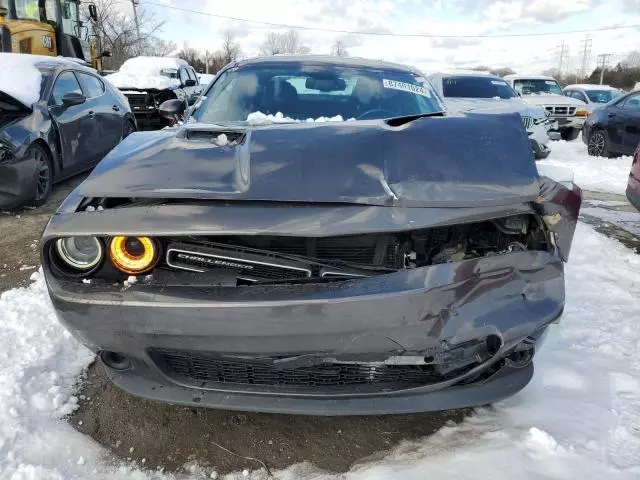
(466, 73)
(528, 77)
(329, 60)
(588, 86)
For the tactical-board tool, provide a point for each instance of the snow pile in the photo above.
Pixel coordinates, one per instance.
(147, 72)
(259, 118)
(205, 78)
(579, 417)
(591, 173)
(20, 78)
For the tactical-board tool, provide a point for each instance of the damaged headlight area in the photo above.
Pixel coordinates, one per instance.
(248, 260)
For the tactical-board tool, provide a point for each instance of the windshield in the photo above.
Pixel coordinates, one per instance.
(169, 72)
(529, 86)
(301, 91)
(602, 96)
(466, 86)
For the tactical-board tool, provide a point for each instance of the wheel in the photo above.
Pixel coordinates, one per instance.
(598, 144)
(129, 128)
(44, 173)
(570, 134)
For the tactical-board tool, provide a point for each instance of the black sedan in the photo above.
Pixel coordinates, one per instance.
(57, 118)
(401, 260)
(614, 128)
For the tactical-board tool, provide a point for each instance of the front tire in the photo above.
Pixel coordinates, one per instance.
(44, 174)
(570, 134)
(598, 143)
(129, 128)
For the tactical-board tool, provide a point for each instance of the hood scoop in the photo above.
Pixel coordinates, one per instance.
(453, 161)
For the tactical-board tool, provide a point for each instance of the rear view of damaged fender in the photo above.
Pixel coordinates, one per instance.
(367, 267)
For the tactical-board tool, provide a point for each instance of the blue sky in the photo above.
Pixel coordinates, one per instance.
(437, 17)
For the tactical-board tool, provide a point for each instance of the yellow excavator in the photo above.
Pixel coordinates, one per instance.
(48, 27)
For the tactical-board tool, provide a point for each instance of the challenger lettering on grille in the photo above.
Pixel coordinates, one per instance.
(213, 261)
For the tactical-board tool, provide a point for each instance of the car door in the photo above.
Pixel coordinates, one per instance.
(626, 118)
(109, 123)
(75, 124)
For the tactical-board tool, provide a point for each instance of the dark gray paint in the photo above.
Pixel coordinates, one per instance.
(456, 161)
(84, 140)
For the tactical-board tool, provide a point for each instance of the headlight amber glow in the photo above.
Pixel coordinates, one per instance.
(133, 255)
(582, 113)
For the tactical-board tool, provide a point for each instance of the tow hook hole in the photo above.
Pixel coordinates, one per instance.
(521, 358)
(115, 360)
(494, 342)
(429, 359)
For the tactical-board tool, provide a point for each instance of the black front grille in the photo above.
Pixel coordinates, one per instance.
(367, 249)
(206, 370)
(138, 101)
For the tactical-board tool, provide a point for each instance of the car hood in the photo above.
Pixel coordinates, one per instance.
(493, 105)
(461, 160)
(9, 103)
(552, 99)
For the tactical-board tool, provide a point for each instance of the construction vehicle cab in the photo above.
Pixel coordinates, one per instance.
(43, 27)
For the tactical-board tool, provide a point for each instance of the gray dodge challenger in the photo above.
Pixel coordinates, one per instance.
(383, 258)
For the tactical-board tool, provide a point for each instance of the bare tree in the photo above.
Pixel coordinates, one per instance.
(339, 49)
(230, 48)
(116, 32)
(283, 43)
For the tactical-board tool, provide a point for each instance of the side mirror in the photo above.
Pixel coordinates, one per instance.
(105, 54)
(190, 83)
(70, 99)
(172, 110)
(93, 12)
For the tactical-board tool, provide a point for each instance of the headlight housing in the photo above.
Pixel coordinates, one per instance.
(80, 254)
(582, 112)
(133, 255)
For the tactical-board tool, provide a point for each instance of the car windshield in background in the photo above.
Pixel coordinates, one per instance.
(169, 72)
(303, 91)
(527, 87)
(602, 96)
(466, 86)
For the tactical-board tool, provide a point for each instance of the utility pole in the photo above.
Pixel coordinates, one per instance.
(206, 61)
(585, 47)
(564, 54)
(603, 63)
(134, 4)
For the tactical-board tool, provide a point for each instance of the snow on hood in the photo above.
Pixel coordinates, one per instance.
(493, 105)
(552, 99)
(259, 118)
(147, 72)
(20, 78)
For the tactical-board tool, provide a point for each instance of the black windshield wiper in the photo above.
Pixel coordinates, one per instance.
(399, 121)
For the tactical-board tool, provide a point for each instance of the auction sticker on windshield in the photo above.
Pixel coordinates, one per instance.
(405, 87)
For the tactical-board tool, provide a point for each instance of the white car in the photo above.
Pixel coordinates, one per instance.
(466, 91)
(546, 92)
(592, 95)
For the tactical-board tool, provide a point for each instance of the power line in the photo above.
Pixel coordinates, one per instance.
(585, 46)
(385, 34)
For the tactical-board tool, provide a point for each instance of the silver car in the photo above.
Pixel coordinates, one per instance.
(483, 92)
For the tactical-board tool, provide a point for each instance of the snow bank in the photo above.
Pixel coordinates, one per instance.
(259, 118)
(146, 72)
(591, 173)
(579, 417)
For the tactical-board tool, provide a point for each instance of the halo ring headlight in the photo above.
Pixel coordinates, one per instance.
(81, 253)
(133, 255)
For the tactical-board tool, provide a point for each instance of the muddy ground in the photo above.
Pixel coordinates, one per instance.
(163, 436)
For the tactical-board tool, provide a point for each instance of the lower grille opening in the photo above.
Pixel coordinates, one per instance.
(206, 370)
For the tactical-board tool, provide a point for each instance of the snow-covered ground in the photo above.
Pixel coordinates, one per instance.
(591, 173)
(579, 417)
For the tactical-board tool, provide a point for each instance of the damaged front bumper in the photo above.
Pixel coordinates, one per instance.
(439, 337)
